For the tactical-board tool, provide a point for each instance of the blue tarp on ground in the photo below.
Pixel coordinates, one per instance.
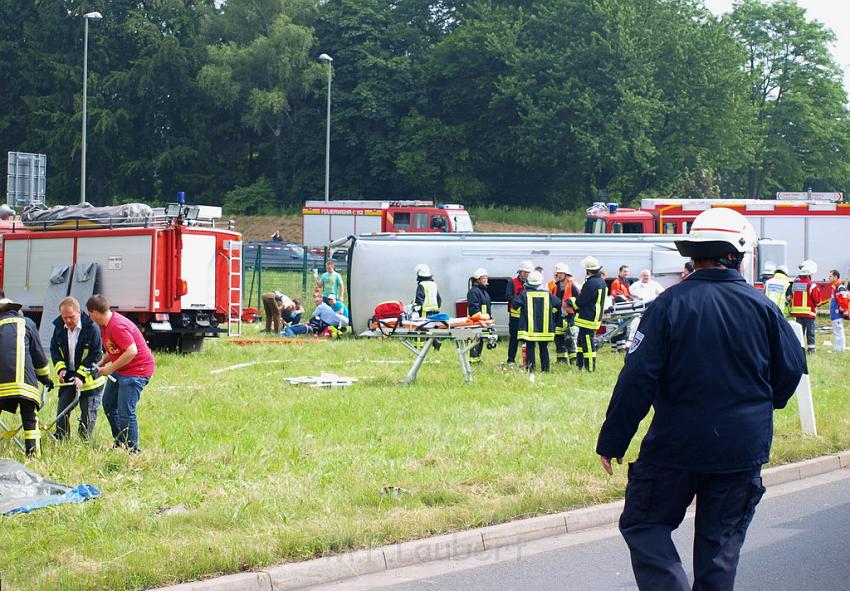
(22, 490)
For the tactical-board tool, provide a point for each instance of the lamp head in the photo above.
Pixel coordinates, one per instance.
(93, 15)
(326, 58)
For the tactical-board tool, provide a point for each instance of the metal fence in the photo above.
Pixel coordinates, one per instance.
(291, 269)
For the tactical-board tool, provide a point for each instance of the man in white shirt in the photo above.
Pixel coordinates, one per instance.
(647, 289)
(75, 347)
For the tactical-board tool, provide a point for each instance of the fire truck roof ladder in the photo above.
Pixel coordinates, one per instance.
(234, 287)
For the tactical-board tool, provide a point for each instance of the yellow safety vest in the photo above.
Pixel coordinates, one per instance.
(429, 304)
(775, 289)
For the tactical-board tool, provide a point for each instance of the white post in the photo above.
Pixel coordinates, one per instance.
(804, 391)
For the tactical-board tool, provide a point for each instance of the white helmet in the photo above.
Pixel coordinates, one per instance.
(808, 268)
(714, 231)
(782, 269)
(526, 266)
(769, 269)
(479, 273)
(535, 279)
(563, 268)
(591, 264)
(423, 270)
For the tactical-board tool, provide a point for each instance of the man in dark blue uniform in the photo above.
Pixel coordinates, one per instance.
(713, 357)
(478, 302)
(515, 287)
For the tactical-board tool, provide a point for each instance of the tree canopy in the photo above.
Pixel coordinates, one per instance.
(551, 103)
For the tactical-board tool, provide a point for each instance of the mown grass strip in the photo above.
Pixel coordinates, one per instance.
(269, 472)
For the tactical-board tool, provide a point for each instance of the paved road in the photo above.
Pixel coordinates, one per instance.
(799, 540)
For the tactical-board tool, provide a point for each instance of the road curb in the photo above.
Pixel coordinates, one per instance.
(329, 569)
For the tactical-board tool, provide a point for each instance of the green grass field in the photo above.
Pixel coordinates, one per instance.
(269, 472)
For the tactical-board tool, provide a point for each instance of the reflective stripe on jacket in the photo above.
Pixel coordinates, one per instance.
(427, 297)
(590, 303)
(88, 351)
(775, 289)
(22, 358)
(539, 313)
(804, 298)
(515, 287)
(477, 300)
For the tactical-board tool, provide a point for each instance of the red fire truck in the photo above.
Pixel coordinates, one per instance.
(176, 274)
(810, 227)
(327, 221)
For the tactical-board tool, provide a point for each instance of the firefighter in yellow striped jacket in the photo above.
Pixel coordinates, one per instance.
(74, 349)
(589, 306)
(22, 365)
(539, 316)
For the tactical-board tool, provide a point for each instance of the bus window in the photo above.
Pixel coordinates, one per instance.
(633, 228)
(669, 228)
(497, 287)
(401, 220)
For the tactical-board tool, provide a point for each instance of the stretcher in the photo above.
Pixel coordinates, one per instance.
(419, 335)
(619, 317)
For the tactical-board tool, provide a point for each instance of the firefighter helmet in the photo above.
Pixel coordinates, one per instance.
(7, 305)
(808, 268)
(714, 231)
(782, 269)
(479, 273)
(535, 279)
(563, 268)
(769, 269)
(423, 270)
(591, 264)
(525, 267)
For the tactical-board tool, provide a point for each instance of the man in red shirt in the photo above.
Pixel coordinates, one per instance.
(128, 360)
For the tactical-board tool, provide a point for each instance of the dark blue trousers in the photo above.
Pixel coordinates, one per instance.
(656, 501)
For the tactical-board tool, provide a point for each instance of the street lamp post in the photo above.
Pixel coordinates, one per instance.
(86, 17)
(326, 58)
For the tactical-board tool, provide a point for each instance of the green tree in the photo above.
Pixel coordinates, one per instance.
(800, 123)
(261, 71)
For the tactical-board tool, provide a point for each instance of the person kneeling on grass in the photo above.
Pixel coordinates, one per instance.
(128, 360)
(292, 313)
(325, 321)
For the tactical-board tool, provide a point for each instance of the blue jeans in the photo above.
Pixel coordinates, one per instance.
(119, 403)
(295, 330)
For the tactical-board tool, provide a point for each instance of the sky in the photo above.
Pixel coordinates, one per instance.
(835, 14)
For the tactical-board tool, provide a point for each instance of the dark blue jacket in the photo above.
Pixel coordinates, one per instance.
(88, 351)
(713, 357)
(478, 300)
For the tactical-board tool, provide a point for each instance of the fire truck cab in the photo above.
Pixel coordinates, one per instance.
(328, 221)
